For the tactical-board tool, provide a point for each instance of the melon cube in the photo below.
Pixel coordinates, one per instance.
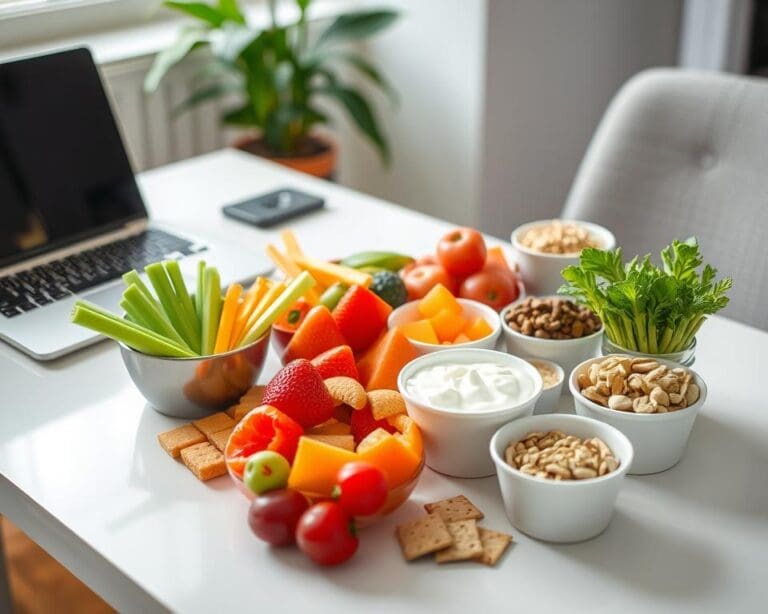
(420, 330)
(447, 324)
(477, 329)
(437, 299)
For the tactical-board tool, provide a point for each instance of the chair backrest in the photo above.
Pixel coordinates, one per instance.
(679, 154)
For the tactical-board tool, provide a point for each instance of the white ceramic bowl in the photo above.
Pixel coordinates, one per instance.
(541, 271)
(472, 309)
(456, 442)
(566, 352)
(565, 511)
(659, 439)
(550, 397)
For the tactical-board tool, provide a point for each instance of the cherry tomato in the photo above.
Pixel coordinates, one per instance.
(326, 534)
(493, 286)
(426, 259)
(361, 488)
(274, 515)
(421, 279)
(461, 252)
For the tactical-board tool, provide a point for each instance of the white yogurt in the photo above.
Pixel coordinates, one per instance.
(471, 387)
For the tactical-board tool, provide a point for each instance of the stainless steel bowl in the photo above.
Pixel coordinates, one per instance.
(195, 387)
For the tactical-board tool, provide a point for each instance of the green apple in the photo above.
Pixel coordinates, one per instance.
(265, 471)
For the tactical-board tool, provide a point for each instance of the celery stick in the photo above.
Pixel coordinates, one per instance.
(180, 288)
(211, 310)
(133, 278)
(134, 315)
(171, 305)
(133, 335)
(298, 287)
(199, 295)
(151, 315)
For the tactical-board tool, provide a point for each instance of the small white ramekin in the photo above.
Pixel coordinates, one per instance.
(541, 271)
(560, 511)
(659, 439)
(471, 309)
(456, 442)
(566, 352)
(550, 397)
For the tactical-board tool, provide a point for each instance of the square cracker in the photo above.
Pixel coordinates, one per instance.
(453, 509)
(466, 542)
(214, 423)
(176, 440)
(494, 545)
(204, 461)
(347, 442)
(219, 438)
(422, 536)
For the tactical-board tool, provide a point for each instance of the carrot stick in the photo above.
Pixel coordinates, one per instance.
(291, 244)
(251, 298)
(263, 305)
(227, 321)
(291, 270)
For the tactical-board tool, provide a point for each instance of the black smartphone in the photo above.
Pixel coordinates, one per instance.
(273, 208)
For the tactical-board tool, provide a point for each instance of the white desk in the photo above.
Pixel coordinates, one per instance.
(81, 471)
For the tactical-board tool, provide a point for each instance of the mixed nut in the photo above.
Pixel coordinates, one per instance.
(557, 456)
(557, 237)
(552, 318)
(641, 385)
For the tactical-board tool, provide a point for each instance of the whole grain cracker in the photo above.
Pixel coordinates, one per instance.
(494, 544)
(466, 542)
(204, 461)
(176, 440)
(214, 423)
(347, 442)
(385, 403)
(346, 391)
(455, 508)
(423, 536)
(219, 438)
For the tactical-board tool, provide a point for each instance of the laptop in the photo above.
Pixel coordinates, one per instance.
(72, 219)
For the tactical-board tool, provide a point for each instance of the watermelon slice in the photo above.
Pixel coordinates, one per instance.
(361, 317)
(338, 361)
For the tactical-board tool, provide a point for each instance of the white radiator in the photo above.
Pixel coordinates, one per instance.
(152, 137)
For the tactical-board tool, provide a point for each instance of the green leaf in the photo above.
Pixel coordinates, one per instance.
(200, 10)
(361, 113)
(209, 92)
(363, 66)
(303, 5)
(230, 40)
(604, 263)
(244, 116)
(231, 10)
(356, 25)
(168, 58)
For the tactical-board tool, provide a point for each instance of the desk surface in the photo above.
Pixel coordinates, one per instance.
(81, 471)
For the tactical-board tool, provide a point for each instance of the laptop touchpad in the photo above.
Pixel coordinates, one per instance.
(109, 298)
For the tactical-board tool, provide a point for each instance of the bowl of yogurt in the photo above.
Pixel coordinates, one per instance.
(460, 398)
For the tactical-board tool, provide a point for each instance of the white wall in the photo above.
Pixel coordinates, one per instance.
(434, 56)
(552, 68)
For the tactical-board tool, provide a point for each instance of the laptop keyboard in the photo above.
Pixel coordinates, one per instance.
(55, 280)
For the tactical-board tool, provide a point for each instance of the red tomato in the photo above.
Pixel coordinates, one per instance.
(426, 259)
(493, 286)
(421, 279)
(462, 252)
(362, 489)
(326, 534)
(273, 516)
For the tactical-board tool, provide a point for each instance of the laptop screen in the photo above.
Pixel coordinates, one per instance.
(64, 174)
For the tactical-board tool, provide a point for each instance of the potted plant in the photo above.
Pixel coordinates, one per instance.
(282, 74)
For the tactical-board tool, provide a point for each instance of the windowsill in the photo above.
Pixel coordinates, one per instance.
(135, 41)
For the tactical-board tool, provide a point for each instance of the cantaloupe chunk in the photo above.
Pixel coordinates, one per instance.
(477, 329)
(420, 330)
(381, 364)
(447, 324)
(315, 466)
(393, 456)
(409, 432)
(437, 299)
(461, 338)
(495, 256)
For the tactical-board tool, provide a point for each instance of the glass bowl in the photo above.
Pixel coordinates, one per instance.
(685, 358)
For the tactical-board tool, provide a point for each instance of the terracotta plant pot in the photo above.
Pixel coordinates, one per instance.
(316, 155)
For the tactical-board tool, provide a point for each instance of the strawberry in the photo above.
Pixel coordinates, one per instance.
(336, 362)
(363, 423)
(299, 392)
(361, 317)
